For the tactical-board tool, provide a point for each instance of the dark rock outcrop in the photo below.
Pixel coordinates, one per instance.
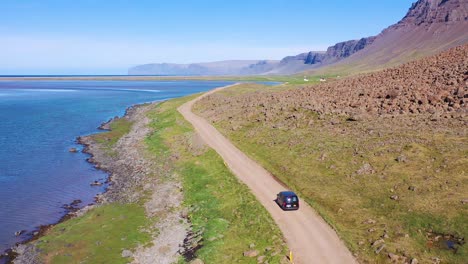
(337, 52)
(435, 11)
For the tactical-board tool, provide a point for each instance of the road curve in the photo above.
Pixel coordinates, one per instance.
(308, 236)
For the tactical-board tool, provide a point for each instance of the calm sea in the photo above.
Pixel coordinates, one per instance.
(39, 122)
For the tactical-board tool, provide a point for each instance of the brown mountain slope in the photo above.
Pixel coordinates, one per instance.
(436, 85)
(429, 27)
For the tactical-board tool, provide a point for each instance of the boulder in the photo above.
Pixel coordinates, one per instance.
(127, 253)
(197, 261)
(73, 150)
(251, 253)
(96, 183)
(365, 169)
(369, 221)
(379, 249)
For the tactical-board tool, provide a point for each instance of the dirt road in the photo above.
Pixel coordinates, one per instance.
(308, 236)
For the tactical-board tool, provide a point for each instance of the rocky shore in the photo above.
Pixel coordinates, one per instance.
(135, 176)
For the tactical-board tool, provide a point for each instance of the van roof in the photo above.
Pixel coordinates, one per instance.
(288, 193)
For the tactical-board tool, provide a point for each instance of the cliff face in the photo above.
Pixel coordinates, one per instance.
(338, 51)
(435, 11)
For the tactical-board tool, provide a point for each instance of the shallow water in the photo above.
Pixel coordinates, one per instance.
(39, 122)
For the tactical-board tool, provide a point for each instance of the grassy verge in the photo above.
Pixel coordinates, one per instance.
(228, 217)
(371, 180)
(107, 140)
(97, 237)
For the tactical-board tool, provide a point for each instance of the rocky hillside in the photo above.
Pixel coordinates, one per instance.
(435, 86)
(435, 11)
(429, 27)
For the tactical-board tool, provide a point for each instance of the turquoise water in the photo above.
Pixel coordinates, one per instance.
(39, 122)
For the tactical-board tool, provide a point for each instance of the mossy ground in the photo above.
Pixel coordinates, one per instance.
(99, 236)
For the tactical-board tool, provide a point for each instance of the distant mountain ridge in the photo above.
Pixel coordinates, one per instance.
(230, 67)
(429, 27)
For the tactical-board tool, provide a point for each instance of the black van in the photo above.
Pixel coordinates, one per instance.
(287, 200)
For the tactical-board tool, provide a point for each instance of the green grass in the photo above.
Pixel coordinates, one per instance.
(108, 139)
(97, 237)
(436, 166)
(222, 209)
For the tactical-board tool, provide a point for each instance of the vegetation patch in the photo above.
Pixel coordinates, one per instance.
(118, 128)
(99, 236)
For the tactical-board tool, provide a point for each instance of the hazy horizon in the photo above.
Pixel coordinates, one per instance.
(65, 37)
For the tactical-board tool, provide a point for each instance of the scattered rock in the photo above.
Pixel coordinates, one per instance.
(126, 254)
(96, 183)
(323, 157)
(464, 201)
(73, 150)
(19, 233)
(401, 158)
(369, 222)
(261, 259)
(197, 261)
(394, 258)
(412, 188)
(251, 253)
(379, 249)
(335, 122)
(365, 169)
(252, 245)
(378, 242)
(414, 261)
(436, 260)
(394, 197)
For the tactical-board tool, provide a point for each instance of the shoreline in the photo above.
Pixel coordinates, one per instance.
(25, 251)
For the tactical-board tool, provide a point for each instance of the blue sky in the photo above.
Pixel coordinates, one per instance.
(107, 37)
